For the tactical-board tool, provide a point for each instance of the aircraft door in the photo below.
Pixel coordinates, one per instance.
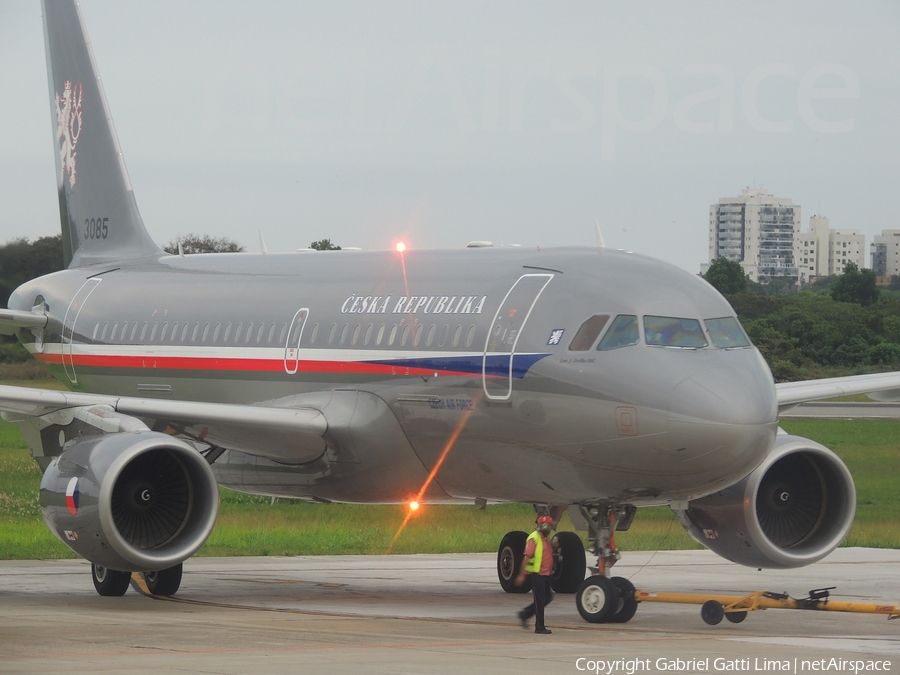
(506, 328)
(292, 346)
(69, 323)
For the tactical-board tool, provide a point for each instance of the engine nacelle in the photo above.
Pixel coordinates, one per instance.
(139, 502)
(792, 510)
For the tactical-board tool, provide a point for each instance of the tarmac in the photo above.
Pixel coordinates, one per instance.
(436, 614)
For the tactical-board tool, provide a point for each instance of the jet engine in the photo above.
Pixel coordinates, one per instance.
(140, 501)
(792, 510)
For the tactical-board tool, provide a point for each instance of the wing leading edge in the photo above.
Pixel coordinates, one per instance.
(286, 434)
(880, 387)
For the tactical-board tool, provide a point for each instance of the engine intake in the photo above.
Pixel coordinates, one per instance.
(140, 501)
(792, 510)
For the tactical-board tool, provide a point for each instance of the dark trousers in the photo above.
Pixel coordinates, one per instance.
(543, 596)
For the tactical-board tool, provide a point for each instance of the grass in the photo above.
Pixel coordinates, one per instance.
(250, 525)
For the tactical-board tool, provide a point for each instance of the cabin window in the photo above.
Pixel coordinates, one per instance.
(368, 336)
(174, 332)
(271, 335)
(224, 337)
(430, 337)
(312, 336)
(380, 335)
(124, 330)
(456, 335)
(726, 333)
(404, 336)
(470, 335)
(195, 332)
(143, 331)
(355, 337)
(96, 330)
(164, 331)
(185, 329)
(103, 332)
(216, 333)
(392, 336)
(445, 331)
(112, 333)
(205, 333)
(249, 333)
(153, 331)
(668, 331)
(588, 333)
(331, 333)
(417, 335)
(133, 332)
(259, 333)
(237, 332)
(623, 332)
(283, 333)
(344, 332)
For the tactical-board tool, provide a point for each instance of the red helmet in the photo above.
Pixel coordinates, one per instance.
(544, 519)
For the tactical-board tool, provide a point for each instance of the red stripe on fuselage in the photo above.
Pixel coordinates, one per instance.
(194, 363)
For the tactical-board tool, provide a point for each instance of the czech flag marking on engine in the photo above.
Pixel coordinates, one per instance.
(72, 495)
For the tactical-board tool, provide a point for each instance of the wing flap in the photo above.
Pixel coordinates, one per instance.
(880, 386)
(12, 320)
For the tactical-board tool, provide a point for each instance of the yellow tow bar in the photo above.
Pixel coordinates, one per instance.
(734, 608)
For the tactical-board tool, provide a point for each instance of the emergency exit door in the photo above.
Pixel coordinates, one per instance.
(292, 346)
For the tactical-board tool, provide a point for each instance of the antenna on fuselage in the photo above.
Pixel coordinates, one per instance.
(600, 243)
(262, 244)
(180, 249)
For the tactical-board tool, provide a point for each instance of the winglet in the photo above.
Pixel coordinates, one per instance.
(600, 243)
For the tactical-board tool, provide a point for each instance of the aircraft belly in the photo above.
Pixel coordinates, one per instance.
(367, 460)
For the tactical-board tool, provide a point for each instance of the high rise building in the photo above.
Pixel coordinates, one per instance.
(886, 255)
(821, 251)
(757, 230)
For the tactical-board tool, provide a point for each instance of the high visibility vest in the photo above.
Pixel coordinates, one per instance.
(534, 565)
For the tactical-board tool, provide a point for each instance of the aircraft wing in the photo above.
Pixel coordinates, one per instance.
(880, 387)
(12, 320)
(286, 434)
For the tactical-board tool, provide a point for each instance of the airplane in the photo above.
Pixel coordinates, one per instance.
(579, 380)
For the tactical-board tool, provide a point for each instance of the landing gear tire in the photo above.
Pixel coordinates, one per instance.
(627, 605)
(109, 583)
(736, 617)
(509, 561)
(712, 612)
(597, 599)
(164, 582)
(570, 565)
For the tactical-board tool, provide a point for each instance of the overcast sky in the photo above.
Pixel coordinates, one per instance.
(443, 122)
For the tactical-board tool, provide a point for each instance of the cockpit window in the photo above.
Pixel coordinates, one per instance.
(622, 333)
(726, 333)
(667, 331)
(590, 329)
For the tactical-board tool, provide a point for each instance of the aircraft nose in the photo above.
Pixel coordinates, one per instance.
(723, 420)
(725, 396)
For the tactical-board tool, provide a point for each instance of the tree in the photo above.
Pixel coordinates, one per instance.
(855, 285)
(195, 243)
(727, 276)
(895, 283)
(324, 245)
(21, 261)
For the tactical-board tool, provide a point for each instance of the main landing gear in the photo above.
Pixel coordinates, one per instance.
(113, 583)
(599, 598)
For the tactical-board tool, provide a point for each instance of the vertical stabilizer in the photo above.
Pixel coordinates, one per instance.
(100, 218)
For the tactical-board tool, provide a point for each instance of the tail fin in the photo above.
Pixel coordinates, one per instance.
(100, 218)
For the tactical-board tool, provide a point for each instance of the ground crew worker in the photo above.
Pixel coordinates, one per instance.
(538, 562)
